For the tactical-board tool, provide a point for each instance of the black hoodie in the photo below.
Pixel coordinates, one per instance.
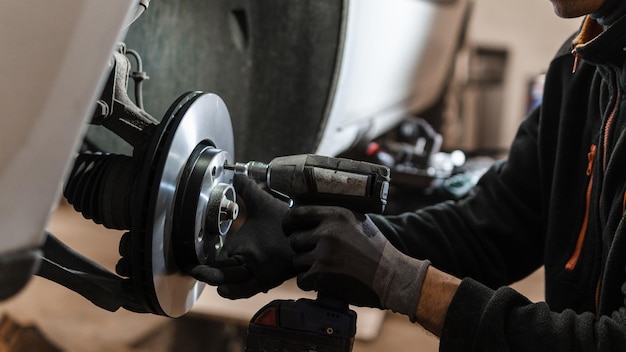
(559, 201)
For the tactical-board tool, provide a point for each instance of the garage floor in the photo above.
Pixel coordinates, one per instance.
(72, 323)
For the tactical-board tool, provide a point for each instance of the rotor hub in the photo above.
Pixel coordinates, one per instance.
(188, 202)
(205, 206)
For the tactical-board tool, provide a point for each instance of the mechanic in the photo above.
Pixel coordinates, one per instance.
(558, 200)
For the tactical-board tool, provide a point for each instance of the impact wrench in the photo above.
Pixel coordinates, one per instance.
(325, 324)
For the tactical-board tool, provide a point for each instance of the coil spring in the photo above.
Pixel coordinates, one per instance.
(100, 188)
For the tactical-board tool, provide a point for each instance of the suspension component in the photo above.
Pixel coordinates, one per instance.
(100, 186)
(116, 111)
(173, 196)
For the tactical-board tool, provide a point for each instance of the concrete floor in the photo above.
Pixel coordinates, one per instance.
(74, 324)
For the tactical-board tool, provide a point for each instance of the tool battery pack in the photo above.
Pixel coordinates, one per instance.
(302, 325)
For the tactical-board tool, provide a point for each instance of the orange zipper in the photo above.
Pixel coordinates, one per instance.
(607, 130)
(571, 263)
(575, 55)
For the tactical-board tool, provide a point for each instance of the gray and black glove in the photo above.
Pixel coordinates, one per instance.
(344, 254)
(257, 257)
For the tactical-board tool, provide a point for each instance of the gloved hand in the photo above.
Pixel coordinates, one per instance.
(344, 254)
(257, 257)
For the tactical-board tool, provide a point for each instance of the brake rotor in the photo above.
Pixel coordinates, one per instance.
(187, 202)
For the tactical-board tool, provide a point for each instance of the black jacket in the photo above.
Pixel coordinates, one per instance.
(557, 201)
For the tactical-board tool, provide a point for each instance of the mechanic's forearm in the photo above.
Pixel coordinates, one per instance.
(437, 292)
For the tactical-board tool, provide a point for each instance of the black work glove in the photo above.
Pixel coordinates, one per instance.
(256, 257)
(344, 254)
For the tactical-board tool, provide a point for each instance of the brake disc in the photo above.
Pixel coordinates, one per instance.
(186, 202)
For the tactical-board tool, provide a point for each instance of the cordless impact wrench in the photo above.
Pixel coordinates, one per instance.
(325, 324)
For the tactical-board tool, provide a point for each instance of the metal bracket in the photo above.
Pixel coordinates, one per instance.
(116, 111)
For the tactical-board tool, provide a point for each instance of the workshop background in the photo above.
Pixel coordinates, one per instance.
(496, 74)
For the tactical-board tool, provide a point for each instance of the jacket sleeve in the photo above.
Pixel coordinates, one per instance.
(492, 238)
(495, 234)
(482, 319)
